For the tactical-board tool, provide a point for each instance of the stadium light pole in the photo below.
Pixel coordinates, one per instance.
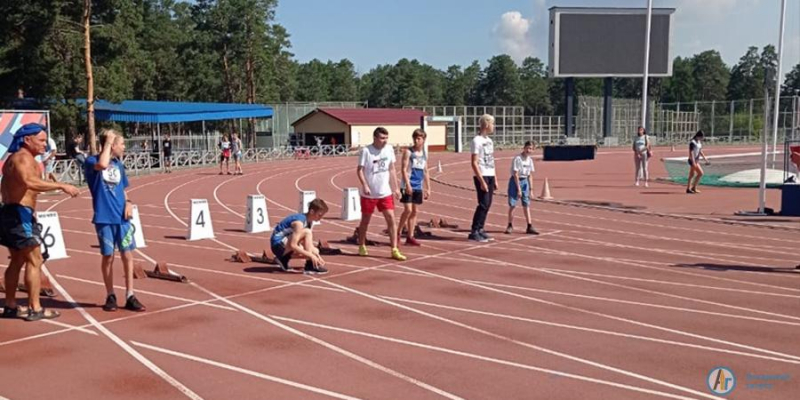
(646, 62)
(778, 83)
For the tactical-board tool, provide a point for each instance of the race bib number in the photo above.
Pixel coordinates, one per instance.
(380, 165)
(112, 175)
(418, 163)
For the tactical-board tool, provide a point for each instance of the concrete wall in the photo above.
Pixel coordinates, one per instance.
(401, 134)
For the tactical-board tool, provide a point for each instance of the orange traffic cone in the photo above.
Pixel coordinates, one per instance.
(439, 168)
(546, 191)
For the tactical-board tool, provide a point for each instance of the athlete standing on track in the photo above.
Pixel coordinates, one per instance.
(416, 185)
(236, 151)
(695, 170)
(225, 154)
(106, 178)
(19, 230)
(375, 171)
(482, 149)
(520, 187)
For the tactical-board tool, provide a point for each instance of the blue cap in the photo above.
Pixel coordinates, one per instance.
(26, 130)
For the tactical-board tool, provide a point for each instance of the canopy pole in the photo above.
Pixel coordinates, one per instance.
(160, 153)
(205, 138)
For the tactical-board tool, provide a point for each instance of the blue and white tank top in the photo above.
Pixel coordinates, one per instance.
(417, 163)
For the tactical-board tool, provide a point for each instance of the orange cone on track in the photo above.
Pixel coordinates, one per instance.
(546, 191)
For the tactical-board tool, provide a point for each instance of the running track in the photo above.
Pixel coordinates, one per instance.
(602, 305)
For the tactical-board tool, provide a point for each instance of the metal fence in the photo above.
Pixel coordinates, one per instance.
(512, 126)
(141, 163)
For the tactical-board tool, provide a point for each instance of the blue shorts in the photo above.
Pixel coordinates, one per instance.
(512, 192)
(118, 236)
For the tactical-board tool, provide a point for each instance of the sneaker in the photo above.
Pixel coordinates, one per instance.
(485, 236)
(133, 304)
(689, 191)
(362, 251)
(111, 303)
(310, 269)
(412, 242)
(646, 184)
(509, 229)
(476, 237)
(397, 255)
(531, 231)
(636, 183)
(694, 190)
(283, 262)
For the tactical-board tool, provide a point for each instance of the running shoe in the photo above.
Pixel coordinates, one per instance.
(397, 255)
(133, 304)
(362, 251)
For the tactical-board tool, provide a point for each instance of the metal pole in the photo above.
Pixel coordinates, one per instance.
(750, 122)
(778, 84)
(608, 99)
(646, 62)
(713, 116)
(160, 153)
(730, 125)
(762, 186)
(569, 88)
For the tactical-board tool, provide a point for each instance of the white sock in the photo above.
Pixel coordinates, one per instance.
(128, 294)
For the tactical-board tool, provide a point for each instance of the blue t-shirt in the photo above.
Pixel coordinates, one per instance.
(108, 191)
(284, 228)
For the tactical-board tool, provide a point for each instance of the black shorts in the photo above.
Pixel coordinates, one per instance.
(18, 227)
(415, 197)
(167, 155)
(279, 250)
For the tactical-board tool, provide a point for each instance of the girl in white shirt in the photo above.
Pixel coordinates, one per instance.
(520, 187)
(695, 170)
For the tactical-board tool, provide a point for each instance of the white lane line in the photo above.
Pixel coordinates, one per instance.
(484, 358)
(119, 342)
(332, 347)
(603, 315)
(259, 375)
(635, 303)
(166, 296)
(633, 288)
(592, 330)
(577, 359)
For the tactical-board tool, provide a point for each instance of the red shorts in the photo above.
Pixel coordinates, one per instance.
(383, 204)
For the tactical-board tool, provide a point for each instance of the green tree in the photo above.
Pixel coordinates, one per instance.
(680, 86)
(711, 76)
(535, 87)
(500, 83)
(791, 86)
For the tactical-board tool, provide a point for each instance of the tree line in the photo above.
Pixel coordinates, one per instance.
(235, 51)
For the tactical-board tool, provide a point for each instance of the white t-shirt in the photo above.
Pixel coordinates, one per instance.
(52, 144)
(484, 148)
(378, 165)
(522, 166)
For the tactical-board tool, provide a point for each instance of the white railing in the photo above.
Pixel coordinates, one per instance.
(145, 163)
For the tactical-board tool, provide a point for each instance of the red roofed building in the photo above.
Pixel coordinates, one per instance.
(354, 126)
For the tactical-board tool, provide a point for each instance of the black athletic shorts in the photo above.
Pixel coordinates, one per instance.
(18, 227)
(415, 197)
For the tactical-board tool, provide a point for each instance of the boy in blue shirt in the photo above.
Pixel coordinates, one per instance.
(105, 175)
(293, 236)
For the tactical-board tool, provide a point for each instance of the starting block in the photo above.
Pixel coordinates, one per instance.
(418, 232)
(354, 239)
(138, 271)
(433, 223)
(241, 256)
(444, 224)
(162, 272)
(45, 287)
(326, 250)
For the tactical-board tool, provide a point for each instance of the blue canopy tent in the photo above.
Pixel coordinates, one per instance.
(164, 112)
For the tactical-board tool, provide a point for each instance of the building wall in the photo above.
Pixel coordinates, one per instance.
(321, 123)
(401, 135)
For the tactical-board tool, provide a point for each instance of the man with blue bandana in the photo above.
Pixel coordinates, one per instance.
(19, 230)
(105, 175)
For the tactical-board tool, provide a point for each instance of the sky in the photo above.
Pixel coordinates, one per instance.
(447, 32)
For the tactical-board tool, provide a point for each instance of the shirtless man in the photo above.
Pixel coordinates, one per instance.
(19, 230)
